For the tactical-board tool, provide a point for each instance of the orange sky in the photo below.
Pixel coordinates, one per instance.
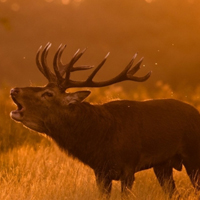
(166, 33)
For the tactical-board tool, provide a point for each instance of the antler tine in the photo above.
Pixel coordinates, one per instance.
(70, 65)
(89, 79)
(136, 67)
(76, 58)
(47, 72)
(61, 66)
(134, 70)
(126, 69)
(38, 61)
(77, 55)
(57, 61)
(140, 79)
(82, 67)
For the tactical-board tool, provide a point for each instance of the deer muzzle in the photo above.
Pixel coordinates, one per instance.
(19, 112)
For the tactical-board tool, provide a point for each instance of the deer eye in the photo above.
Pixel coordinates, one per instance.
(48, 94)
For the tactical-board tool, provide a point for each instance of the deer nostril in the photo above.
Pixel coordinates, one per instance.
(14, 91)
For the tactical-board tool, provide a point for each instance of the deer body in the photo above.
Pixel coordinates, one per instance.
(118, 138)
(120, 134)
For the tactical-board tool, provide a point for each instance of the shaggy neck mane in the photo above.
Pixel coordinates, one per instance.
(76, 131)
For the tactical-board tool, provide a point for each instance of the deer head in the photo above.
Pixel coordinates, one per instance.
(36, 103)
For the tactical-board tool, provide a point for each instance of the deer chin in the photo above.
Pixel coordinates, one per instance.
(35, 126)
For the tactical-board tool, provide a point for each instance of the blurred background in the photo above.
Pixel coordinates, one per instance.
(165, 32)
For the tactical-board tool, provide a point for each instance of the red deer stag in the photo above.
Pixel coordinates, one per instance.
(118, 138)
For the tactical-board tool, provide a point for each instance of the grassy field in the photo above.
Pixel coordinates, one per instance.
(32, 167)
(48, 174)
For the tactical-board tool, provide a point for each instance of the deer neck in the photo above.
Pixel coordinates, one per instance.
(81, 129)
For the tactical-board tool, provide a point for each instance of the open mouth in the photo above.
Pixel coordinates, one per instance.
(19, 112)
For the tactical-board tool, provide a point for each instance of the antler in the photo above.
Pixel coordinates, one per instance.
(62, 72)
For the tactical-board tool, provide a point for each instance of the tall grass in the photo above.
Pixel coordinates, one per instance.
(32, 167)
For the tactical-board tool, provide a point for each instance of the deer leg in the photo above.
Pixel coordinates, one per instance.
(193, 171)
(126, 185)
(104, 185)
(164, 174)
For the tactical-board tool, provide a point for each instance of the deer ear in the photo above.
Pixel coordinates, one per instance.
(77, 96)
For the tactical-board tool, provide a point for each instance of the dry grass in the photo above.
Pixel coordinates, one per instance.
(48, 174)
(45, 173)
(34, 168)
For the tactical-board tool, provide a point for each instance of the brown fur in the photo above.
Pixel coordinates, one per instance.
(118, 138)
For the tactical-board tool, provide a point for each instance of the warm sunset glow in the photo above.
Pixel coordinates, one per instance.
(48, 1)
(166, 33)
(191, 1)
(15, 7)
(65, 2)
(149, 1)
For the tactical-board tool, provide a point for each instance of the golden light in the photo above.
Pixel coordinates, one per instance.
(15, 7)
(65, 2)
(149, 1)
